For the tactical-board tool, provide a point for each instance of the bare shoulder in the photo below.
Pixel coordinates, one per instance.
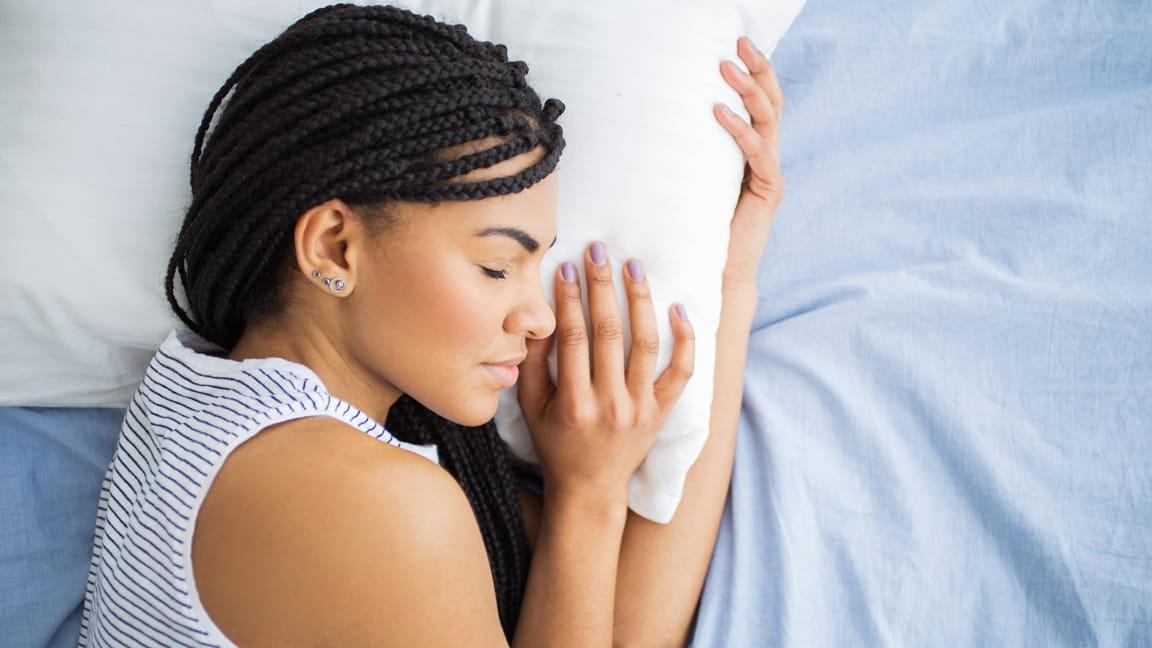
(315, 533)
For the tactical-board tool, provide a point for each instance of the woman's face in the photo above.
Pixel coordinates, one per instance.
(449, 290)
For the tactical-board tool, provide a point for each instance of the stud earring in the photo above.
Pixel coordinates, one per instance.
(335, 284)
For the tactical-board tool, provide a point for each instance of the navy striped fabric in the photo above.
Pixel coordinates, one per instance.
(191, 410)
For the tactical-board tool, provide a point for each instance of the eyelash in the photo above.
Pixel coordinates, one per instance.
(495, 274)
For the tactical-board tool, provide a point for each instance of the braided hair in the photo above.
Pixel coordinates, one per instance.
(360, 103)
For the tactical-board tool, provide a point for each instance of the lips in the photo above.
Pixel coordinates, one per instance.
(510, 362)
(505, 374)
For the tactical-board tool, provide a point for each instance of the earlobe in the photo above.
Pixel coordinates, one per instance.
(335, 284)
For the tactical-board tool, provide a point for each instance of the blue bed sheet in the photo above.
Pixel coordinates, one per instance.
(947, 430)
(52, 462)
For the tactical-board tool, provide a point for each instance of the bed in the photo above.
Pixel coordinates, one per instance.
(947, 427)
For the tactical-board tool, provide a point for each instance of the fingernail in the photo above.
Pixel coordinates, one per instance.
(634, 270)
(727, 110)
(680, 312)
(597, 251)
(568, 271)
(756, 49)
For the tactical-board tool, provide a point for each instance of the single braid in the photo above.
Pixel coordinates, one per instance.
(360, 103)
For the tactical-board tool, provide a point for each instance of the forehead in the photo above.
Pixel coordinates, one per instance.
(532, 210)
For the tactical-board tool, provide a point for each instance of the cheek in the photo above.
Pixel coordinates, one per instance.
(435, 326)
(456, 311)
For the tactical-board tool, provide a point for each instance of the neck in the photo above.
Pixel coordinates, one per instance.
(342, 375)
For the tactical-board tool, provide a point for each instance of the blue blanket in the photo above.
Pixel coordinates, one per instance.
(947, 430)
(52, 463)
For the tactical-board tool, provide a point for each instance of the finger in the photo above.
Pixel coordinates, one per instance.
(572, 371)
(607, 327)
(755, 99)
(675, 376)
(645, 339)
(535, 389)
(762, 159)
(763, 72)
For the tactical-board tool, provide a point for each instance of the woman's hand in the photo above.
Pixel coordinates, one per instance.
(654, 604)
(763, 186)
(594, 428)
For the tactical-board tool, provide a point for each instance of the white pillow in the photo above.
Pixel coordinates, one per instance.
(102, 102)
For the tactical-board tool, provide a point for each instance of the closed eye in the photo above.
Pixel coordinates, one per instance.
(495, 274)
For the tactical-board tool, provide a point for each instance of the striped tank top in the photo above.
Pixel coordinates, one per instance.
(191, 410)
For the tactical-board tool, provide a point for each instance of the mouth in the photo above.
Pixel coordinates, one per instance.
(506, 371)
(505, 374)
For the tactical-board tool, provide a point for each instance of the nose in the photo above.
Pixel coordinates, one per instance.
(533, 317)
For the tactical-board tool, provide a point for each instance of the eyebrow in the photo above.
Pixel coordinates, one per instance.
(519, 235)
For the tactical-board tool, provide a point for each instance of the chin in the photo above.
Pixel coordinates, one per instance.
(481, 413)
(474, 410)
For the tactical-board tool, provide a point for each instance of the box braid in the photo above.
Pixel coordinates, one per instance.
(360, 103)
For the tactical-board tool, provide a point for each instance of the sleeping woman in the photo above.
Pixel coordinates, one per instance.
(311, 460)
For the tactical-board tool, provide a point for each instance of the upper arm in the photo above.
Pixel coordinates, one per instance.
(330, 537)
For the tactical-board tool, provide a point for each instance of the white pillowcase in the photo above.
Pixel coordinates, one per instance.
(102, 102)
(647, 169)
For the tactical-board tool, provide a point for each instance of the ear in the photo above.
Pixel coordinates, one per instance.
(328, 239)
